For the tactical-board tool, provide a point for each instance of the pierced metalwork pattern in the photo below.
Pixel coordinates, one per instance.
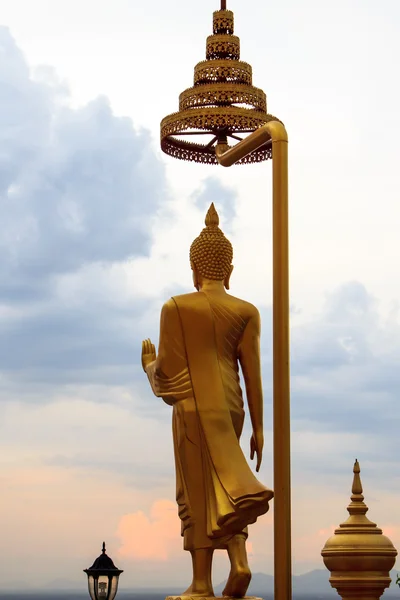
(213, 120)
(223, 21)
(222, 94)
(209, 71)
(223, 46)
(209, 110)
(197, 153)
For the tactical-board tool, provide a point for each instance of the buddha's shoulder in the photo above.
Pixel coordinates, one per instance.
(246, 309)
(242, 307)
(180, 299)
(184, 297)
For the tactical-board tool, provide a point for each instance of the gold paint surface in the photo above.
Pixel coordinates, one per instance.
(223, 21)
(223, 71)
(358, 555)
(235, 119)
(221, 104)
(223, 94)
(275, 132)
(204, 337)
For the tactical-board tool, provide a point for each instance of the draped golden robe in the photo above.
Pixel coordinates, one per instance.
(196, 371)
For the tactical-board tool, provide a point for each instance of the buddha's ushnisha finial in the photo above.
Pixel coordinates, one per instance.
(223, 4)
(212, 218)
(104, 548)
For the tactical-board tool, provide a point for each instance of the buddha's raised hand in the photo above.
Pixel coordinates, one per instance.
(148, 353)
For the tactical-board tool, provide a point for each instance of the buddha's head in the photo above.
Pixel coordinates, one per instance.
(211, 253)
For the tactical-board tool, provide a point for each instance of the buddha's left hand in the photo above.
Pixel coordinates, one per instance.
(148, 353)
(256, 446)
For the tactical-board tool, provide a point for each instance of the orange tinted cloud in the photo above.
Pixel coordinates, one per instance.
(308, 547)
(155, 536)
(393, 533)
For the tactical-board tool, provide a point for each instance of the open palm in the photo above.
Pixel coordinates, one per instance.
(148, 353)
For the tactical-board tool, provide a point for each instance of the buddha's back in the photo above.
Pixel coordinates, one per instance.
(204, 336)
(235, 337)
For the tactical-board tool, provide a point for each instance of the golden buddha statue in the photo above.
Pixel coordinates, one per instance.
(203, 337)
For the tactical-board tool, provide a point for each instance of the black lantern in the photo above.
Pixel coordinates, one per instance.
(103, 577)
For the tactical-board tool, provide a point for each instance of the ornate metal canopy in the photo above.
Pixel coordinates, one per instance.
(222, 103)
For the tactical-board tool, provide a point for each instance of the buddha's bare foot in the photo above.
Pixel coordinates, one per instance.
(238, 582)
(198, 590)
(188, 592)
(201, 582)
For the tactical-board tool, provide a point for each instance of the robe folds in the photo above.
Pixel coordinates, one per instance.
(196, 371)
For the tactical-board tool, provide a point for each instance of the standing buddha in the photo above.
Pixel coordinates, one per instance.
(204, 337)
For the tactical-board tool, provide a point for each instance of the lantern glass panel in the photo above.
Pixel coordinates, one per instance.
(102, 587)
(113, 587)
(91, 587)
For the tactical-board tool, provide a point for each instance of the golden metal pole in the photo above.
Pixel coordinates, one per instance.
(281, 375)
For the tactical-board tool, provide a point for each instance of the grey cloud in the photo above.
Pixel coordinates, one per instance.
(26, 107)
(344, 371)
(77, 186)
(76, 338)
(144, 474)
(351, 303)
(345, 376)
(85, 345)
(341, 335)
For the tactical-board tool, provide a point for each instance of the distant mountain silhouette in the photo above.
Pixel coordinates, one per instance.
(315, 584)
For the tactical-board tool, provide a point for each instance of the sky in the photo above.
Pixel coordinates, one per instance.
(96, 228)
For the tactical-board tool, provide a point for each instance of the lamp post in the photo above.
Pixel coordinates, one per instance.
(222, 105)
(276, 132)
(103, 577)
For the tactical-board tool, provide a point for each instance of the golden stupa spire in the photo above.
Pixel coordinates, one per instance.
(357, 507)
(357, 487)
(358, 555)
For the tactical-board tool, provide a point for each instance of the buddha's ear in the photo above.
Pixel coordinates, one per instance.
(195, 276)
(228, 277)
